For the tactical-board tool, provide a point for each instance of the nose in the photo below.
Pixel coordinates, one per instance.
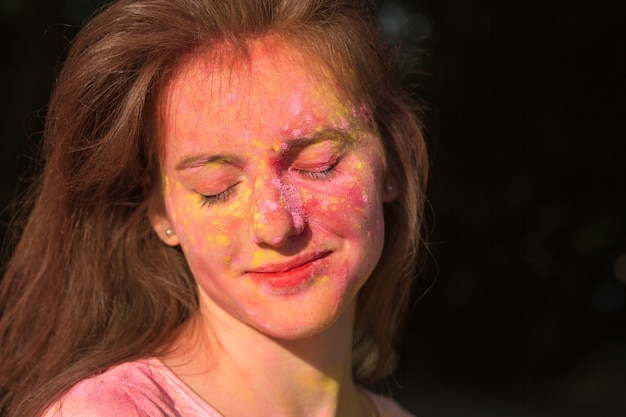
(276, 213)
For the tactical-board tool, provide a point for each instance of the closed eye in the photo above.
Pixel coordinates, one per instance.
(217, 198)
(323, 173)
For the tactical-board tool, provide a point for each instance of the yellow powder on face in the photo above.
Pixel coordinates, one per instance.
(279, 148)
(323, 280)
(332, 204)
(222, 240)
(235, 208)
(258, 259)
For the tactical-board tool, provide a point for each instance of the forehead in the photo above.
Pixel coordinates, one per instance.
(268, 55)
(265, 87)
(254, 69)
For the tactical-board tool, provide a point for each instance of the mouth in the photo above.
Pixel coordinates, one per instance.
(288, 266)
(287, 277)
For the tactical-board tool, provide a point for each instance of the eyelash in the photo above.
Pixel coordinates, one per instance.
(319, 175)
(223, 196)
(322, 175)
(217, 198)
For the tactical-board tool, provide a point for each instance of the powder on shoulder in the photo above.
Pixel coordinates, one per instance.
(144, 388)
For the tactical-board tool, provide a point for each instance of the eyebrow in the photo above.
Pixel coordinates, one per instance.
(299, 143)
(198, 160)
(322, 135)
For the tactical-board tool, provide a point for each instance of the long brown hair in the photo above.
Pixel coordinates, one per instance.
(89, 284)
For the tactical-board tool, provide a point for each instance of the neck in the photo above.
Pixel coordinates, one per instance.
(222, 359)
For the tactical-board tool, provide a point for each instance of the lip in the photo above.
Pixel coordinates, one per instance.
(288, 266)
(286, 276)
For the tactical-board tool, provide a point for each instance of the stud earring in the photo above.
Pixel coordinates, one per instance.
(168, 232)
(389, 188)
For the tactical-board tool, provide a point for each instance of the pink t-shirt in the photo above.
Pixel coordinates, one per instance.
(147, 388)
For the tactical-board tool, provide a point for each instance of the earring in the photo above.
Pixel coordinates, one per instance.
(168, 232)
(389, 188)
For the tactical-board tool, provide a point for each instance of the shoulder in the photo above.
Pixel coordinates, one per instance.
(131, 389)
(387, 407)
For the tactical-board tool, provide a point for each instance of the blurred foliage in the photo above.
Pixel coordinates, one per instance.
(528, 220)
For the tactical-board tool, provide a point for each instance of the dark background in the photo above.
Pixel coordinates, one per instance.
(526, 314)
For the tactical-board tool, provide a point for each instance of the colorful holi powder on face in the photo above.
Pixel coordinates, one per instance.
(222, 240)
(282, 146)
(298, 175)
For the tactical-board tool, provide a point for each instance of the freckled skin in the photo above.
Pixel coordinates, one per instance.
(271, 203)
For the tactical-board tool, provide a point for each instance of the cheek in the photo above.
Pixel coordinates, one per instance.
(201, 232)
(352, 209)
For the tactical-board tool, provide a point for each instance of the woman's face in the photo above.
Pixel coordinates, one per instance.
(273, 187)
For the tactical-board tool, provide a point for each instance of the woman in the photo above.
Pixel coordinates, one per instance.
(227, 218)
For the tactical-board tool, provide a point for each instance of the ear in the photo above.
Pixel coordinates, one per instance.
(162, 226)
(390, 189)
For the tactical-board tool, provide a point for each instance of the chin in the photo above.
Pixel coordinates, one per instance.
(332, 320)
(296, 332)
